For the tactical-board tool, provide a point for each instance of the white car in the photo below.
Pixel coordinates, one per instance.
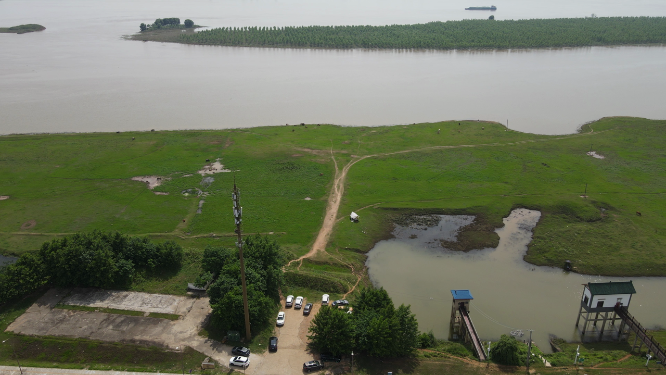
(290, 301)
(298, 303)
(324, 299)
(280, 318)
(239, 361)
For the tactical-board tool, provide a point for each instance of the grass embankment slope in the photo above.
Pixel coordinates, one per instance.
(466, 34)
(79, 182)
(22, 29)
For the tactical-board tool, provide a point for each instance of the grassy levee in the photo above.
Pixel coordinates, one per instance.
(80, 182)
(601, 234)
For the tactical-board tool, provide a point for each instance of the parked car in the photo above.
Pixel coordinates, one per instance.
(280, 318)
(324, 299)
(239, 361)
(307, 308)
(312, 365)
(340, 302)
(290, 301)
(298, 303)
(241, 351)
(327, 357)
(272, 344)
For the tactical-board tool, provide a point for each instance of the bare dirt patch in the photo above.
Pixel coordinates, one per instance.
(595, 155)
(161, 193)
(134, 301)
(4, 197)
(213, 168)
(152, 181)
(28, 224)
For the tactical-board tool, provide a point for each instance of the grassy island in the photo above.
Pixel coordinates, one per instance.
(22, 29)
(466, 34)
(58, 184)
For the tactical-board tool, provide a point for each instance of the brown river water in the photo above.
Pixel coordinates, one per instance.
(79, 75)
(509, 294)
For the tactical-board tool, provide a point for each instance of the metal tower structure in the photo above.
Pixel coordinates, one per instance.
(238, 217)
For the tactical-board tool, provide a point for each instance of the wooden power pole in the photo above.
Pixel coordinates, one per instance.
(238, 214)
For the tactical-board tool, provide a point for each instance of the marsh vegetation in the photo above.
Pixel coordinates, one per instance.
(465, 34)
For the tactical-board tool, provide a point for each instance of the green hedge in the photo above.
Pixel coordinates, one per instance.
(316, 282)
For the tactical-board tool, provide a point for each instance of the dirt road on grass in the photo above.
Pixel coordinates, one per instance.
(332, 208)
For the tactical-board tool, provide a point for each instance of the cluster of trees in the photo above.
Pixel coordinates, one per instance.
(466, 34)
(508, 351)
(166, 22)
(376, 328)
(94, 259)
(264, 278)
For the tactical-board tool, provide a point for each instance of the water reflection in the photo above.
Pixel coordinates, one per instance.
(508, 292)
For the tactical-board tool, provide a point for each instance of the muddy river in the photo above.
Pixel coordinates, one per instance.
(80, 75)
(509, 294)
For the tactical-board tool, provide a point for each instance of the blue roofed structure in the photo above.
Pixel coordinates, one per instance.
(461, 294)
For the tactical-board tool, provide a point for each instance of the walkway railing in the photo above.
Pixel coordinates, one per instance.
(476, 342)
(642, 334)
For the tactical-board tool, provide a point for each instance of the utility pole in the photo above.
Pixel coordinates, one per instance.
(529, 350)
(238, 214)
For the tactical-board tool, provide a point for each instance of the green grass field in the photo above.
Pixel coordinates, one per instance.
(79, 182)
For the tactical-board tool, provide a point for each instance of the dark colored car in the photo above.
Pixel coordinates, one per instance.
(239, 350)
(340, 302)
(326, 357)
(312, 365)
(272, 344)
(307, 309)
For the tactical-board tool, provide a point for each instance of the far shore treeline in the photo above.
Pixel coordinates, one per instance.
(466, 34)
(93, 259)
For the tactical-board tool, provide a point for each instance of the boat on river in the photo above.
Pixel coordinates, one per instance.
(492, 7)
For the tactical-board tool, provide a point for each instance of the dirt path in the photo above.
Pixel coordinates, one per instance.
(332, 207)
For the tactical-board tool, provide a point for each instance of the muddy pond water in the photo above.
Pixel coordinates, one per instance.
(508, 292)
(4, 260)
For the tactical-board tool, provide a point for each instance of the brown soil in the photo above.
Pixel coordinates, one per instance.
(28, 224)
(4, 197)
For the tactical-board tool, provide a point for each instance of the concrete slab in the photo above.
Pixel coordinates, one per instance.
(135, 301)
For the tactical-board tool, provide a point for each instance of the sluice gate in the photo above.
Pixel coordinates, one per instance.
(462, 327)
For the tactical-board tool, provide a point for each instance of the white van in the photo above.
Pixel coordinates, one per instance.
(324, 299)
(290, 301)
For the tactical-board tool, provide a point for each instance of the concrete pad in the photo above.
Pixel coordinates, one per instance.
(135, 301)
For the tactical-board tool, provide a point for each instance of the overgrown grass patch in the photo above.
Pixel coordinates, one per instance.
(99, 309)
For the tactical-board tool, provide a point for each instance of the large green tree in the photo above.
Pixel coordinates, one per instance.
(263, 274)
(332, 331)
(505, 351)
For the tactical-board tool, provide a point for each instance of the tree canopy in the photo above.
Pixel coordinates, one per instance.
(263, 273)
(93, 259)
(375, 328)
(505, 351)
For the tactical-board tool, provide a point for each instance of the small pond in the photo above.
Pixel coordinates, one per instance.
(4, 260)
(508, 292)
